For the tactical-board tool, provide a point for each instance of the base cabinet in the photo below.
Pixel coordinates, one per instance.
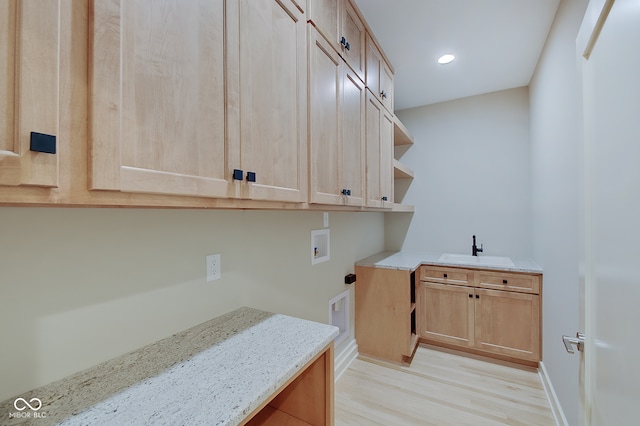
(504, 323)
(385, 313)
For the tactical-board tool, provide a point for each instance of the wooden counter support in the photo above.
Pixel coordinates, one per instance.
(306, 399)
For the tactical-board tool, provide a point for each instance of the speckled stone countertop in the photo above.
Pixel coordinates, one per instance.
(215, 373)
(412, 260)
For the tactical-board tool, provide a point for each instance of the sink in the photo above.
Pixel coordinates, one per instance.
(467, 259)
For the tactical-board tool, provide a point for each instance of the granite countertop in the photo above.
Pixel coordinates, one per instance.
(412, 260)
(215, 373)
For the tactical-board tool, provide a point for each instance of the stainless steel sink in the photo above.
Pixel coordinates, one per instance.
(467, 259)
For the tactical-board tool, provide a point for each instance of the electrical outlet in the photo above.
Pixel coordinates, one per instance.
(214, 268)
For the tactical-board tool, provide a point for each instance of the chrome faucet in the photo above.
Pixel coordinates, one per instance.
(474, 248)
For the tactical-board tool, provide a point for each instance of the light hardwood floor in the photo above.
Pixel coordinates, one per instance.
(440, 388)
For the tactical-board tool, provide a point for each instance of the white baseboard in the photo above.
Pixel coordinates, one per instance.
(345, 358)
(556, 408)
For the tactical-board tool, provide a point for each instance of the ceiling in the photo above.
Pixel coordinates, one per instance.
(497, 44)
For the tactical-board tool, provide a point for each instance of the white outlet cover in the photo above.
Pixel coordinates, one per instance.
(214, 267)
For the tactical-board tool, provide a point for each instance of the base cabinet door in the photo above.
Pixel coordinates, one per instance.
(508, 323)
(446, 313)
(29, 56)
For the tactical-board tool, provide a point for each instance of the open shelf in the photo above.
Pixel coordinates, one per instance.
(401, 135)
(397, 207)
(400, 171)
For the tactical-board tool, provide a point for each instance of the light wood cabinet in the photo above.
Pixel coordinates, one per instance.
(157, 85)
(446, 313)
(379, 152)
(178, 104)
(270, 99)
(29, 82)
(385, 313)
(379, 76)
(341, 24)
(458, 308)
(336, 127)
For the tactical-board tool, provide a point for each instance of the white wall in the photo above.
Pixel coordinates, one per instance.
(472, 176)
(80, 286)
(556, 158)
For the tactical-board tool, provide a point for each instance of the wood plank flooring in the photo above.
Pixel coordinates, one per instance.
(440, 388)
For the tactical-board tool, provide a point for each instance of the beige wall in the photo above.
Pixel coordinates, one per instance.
(80, 286)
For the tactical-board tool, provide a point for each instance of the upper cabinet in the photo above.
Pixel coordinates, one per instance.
(336, 127)
(29, 106)
(170, 116)
(341, 24)
(157, 97)
(379, 154)
(379, 76)
(268, 97)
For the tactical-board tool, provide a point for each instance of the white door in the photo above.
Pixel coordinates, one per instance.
(609, 51)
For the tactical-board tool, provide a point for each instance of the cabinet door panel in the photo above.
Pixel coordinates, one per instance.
(325, 15)
(508, 323)
(445, 313)
(354, 32)
(29, 78)
(273, 101)
(373, 122)
(157, 97)
(353, 138)
(386, 160)
(325, 80)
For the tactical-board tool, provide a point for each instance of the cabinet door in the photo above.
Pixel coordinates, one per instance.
(325, 80)
(158, 97)
(354, 32)
(508, 323)
(325, 16)
(386, 86)
(29, 46)
(353, 138)
(272, 101)
(445, 313)
(373, 123)
(386, 159)
(372, 70)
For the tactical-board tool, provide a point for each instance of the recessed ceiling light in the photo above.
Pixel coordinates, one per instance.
(445, 59)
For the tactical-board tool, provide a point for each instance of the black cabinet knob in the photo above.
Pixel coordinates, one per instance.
(445, 275)
(346, 192)
(505, 282)
(384, 198)
(237, 174)
(343, 41)
(477, 296)
(347, 46)
(471, 296)
(251, 176)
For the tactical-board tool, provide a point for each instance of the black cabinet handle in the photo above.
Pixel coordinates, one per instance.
(383, 94)
(505, 282)
(346, 192)
(251, 176)
(41, 142)
(470, 296)
(237, 174)
(347, 46)
(384, 198)
(343, 41)
(445, 275)
(477, 296)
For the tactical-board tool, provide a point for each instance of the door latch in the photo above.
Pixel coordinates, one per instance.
(569, 342)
